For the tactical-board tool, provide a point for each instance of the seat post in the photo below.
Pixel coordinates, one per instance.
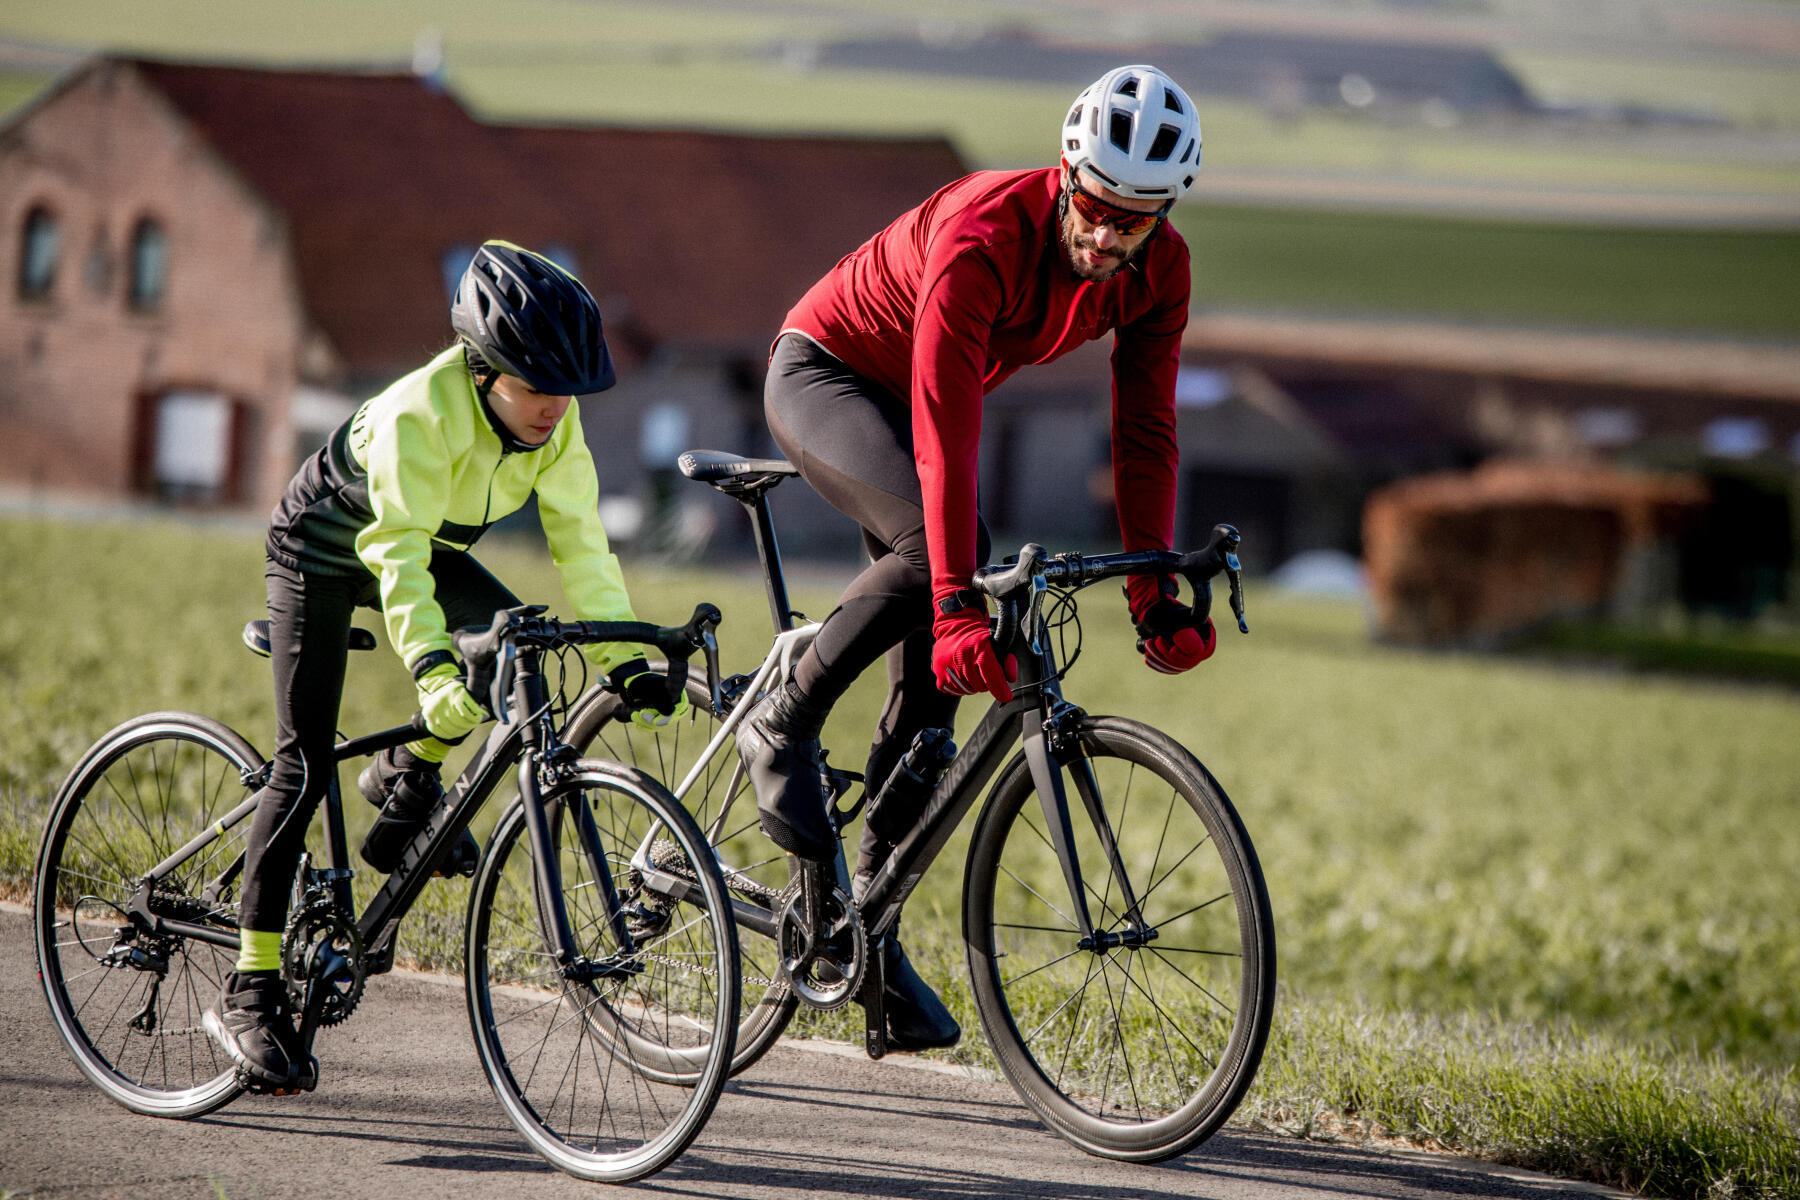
(756, 502)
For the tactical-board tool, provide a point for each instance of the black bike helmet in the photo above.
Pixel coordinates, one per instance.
(528, 317)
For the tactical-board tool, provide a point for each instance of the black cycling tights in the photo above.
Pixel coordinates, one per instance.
(309, 634)
(852, 441)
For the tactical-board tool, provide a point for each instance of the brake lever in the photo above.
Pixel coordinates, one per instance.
(499, 693)
(1234, 573)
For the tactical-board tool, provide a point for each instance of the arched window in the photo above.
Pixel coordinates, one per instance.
(40, 246)
(149, 262)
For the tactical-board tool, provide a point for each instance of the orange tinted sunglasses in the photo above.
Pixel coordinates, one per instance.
(1125, 222)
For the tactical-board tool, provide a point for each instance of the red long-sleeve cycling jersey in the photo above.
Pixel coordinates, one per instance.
(960, 292)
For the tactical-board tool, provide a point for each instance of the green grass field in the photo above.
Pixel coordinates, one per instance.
(1536, 914)
(712, 66)
(1695, 281)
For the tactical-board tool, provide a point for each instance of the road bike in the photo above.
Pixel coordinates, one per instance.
(1117, 930)
(585, 985)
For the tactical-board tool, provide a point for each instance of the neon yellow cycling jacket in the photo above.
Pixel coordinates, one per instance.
(420, 467)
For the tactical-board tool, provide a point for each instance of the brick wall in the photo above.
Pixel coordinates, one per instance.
(100, 154)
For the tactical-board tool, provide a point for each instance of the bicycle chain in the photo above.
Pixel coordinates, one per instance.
(680, 964)
(667, 856)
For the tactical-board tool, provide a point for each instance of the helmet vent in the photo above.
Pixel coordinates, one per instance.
(1072, 143)
(1167, 138)
(1170, 102)
(1128, 87)
(1121, 130)
(1074, 120)
(1189, 152)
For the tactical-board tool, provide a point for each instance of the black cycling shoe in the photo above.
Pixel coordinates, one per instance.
(252, 1023)
(406, 788)
(916, 1018)
(779, 743)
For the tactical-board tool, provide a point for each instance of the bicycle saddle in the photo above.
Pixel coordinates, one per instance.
(734, 473)
(256, 636)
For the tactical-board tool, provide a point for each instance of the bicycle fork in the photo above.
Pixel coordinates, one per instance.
(1051, 744)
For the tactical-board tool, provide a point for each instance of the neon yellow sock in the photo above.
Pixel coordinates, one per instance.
(258, 951)
(429, 749)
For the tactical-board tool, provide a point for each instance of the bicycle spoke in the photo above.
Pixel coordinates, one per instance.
(1062, 958)
(1108, 914)
(1198, 986)
(1172, 1019)
(1040, 898)
(1196, 908)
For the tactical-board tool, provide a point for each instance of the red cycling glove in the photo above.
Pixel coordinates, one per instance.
(963, 658)
(1171, 636)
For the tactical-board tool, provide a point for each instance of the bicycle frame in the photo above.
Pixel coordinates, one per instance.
(527, 743)
(1035, 717)
(1038, 716)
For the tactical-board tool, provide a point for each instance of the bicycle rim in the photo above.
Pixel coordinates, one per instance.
(724, 806)
(128, 1006)
(1131, 1052)
(583, 1068)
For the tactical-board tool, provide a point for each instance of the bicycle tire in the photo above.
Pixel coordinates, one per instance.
(1132, 1053)
(663, 1005)
(758, 868)
(140, 793)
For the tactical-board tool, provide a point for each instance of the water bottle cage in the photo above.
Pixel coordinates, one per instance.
(837, 784)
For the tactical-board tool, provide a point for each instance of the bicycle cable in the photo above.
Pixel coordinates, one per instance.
(1058, 614)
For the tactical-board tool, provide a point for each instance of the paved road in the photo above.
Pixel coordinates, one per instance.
(403, 1111)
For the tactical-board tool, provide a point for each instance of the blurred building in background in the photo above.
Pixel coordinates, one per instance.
(212, 266)
(1687, 450)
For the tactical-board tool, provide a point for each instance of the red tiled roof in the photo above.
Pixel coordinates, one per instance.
(720, 234)
(377, 175)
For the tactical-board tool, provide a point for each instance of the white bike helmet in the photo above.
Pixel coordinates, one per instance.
(1135, 131)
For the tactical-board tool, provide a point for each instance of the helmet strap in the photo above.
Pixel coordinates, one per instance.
(510, 442)
(482, 372)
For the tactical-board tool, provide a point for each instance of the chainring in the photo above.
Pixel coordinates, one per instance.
(829, 977)
(317, 929)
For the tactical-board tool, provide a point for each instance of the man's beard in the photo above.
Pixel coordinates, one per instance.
(1073, 242)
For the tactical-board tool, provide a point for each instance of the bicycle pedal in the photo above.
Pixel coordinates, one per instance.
(305, 1081)
(461, 859)
(292, 1087)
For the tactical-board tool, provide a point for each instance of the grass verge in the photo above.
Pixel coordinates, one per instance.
(1652, 1120)
(1725, 653)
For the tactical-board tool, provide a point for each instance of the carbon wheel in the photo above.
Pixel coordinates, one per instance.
(1138, 1043)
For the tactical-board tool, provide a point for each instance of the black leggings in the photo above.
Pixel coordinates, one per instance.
(852, 441)
(309, 633)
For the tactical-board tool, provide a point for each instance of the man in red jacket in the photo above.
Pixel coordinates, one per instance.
(875, 392)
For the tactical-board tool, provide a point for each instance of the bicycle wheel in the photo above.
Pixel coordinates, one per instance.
(128, 1002)
(583, 1062)
(1139, 1046)
(756, 870)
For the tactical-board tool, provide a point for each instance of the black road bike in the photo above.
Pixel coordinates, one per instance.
(1118, 935)
(604, 1007)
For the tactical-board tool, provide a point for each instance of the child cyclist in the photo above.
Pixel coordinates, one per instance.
(383, 516)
